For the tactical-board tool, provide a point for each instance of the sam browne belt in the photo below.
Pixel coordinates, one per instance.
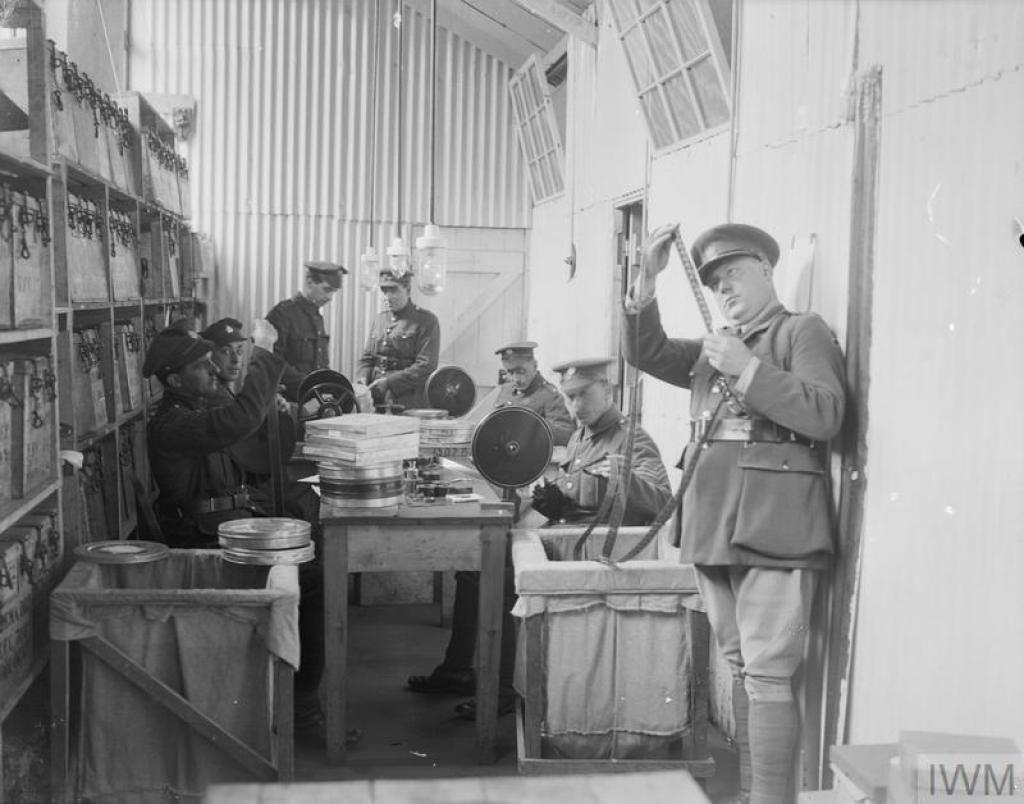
(743, 429)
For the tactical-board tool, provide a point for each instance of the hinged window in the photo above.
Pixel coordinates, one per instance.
(677, 51)
(537, 130)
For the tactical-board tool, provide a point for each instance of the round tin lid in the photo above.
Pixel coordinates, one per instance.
(118, 551)
(298, 555)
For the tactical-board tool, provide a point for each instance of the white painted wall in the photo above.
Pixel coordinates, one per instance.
(938, 637)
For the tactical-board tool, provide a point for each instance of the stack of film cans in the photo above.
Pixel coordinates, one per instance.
(268, 541)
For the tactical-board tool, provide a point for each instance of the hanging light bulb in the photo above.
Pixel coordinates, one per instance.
(431, 261)
(369, 269)
(399, 262)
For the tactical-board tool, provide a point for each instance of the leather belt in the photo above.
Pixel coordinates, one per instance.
(742, 429)
(229, 502)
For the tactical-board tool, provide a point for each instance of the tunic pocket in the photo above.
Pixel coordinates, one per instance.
(783, 505)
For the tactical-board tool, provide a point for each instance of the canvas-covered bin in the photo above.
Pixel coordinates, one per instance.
(608, 648)
(212, 632)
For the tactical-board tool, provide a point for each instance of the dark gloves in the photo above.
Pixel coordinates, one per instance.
(549, 500)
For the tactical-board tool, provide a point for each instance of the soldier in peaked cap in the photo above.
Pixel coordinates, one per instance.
(756, 522)
(201, 486)
(602, 431)
(527, 388)
(304, 341)
(581, 484)
(229, 345)
(402, 348)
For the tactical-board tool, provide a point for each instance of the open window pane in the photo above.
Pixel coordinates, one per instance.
(535, 123)
(657, 117)
(624, 12)
(687, 25)
(680, 67)
(659, 37)
(681, 104)
(639, 57)
(709, 93)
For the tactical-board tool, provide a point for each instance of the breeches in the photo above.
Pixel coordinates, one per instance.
(761, 617)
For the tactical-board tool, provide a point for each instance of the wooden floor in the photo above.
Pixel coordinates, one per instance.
(405, 735)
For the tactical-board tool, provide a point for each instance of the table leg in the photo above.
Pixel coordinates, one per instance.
(335, 562)
(492, 580)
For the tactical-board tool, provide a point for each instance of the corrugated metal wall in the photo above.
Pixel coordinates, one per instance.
(281, 156)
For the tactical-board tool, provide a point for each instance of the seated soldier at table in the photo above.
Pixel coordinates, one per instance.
(580, 485)
(252, 452)
(526, 387)
(201, 485)
(582, 480)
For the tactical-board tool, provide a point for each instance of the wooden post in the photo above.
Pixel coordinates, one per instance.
(336, 640)
(492, 582)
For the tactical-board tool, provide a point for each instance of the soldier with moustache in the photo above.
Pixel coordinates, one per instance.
(401, 350)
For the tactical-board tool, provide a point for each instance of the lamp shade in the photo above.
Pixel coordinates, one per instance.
(431, 261)
(399, 262)
(369, 269)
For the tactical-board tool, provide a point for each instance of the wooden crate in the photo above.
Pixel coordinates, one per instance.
(124, 256)
(6, 258)
(127, 451)
(88, 392)
(86, 247)
(9, 446)
(31, 289)
(146, 679)
(618, 640)
(36, 422)
(16, 626)
(128, 356)
(151, 260)
(41, 558)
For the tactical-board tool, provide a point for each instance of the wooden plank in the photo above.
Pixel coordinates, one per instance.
(699, 768)
(700, 660)
(563, 18)
(535, 703)
(180, 707)
(60, 714)
(336, 569)
(853, 483)
(284, 719)
(379, 548)
(494, 545)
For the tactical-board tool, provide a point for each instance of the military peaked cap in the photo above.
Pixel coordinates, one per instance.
(523, 349)
(172, 349)
(327, 272)
(223, 332)
(720, 243)
(387, 278)
(578, 374)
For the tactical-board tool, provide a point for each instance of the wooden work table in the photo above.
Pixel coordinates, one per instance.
(433, 537)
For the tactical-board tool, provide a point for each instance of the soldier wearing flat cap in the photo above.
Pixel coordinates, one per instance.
(756, 519)
(201, 485)
(303, 340)
(401, 350)
(527, 388)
